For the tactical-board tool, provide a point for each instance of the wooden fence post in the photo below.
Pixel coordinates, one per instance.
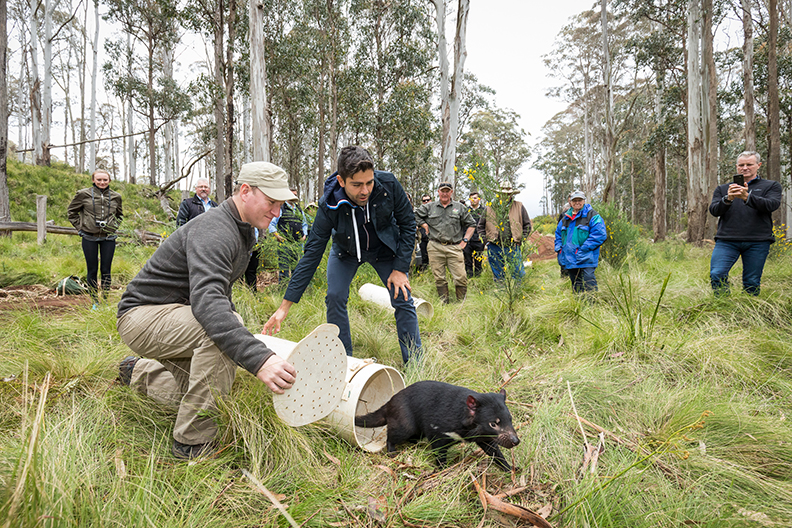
(41, 218)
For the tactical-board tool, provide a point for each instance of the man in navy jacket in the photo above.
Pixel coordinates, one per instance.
(745, 225)
(200, 202)
(370, 219)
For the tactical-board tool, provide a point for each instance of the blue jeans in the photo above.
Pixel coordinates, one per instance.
(726, 253)
(498, 257)
(583, 279)
(341, 269)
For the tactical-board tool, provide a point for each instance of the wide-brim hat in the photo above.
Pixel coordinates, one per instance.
(506, 188)
(267, 177)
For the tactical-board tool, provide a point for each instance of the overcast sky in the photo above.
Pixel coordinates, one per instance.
(505, 44)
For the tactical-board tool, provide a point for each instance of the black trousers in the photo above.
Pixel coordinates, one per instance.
(474, 254)
(92, 251)
(251, 273)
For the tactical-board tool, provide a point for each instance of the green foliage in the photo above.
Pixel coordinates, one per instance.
(545, 224)
(782, 247)
(623, 236)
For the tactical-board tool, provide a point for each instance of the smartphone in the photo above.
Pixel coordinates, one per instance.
(739, 179)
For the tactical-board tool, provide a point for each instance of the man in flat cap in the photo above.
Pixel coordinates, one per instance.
(450, 227)
(178, 314)
(369, 217)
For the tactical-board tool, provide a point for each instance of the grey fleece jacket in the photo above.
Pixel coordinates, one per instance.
(197, 266)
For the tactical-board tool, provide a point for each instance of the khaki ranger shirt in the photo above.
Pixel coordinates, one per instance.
(448, 224)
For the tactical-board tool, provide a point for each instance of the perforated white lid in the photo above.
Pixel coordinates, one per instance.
(320, 361)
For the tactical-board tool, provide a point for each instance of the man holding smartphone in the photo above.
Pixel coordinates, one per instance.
(744, 209)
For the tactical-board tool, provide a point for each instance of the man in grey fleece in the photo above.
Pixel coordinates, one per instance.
(178, 314)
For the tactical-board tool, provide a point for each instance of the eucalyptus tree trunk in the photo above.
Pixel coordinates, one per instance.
(697, 179)
(709, 113)
(450, 86)
(659, 227)
(130, 116)
(94, 81)
(446, 141)
(21, 97)
(218, 106)
(748, 80)
(610, 183)
(46, 89)
(167, 152)
(229, 98)
(84, 62)
(5, 204)
(261, 125)
(590, 182)
(35, 86)
(773, 114)
(333, 146)
(246, 146)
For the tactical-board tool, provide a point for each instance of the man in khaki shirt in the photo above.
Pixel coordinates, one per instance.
(450, 227)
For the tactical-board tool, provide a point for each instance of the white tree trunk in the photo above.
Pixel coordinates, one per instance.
(35, 85)
(167, 71)
(696, 173)
(246, 139)
(94, 81)
(610, 183)
(748, 81)
(130, 115)
(261, 124)
(21, 142)
(46, 91)
(450, 88)
(455, 95)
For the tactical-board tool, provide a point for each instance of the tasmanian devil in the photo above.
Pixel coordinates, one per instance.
(445, 414)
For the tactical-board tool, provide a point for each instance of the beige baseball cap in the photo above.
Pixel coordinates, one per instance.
(268, 177)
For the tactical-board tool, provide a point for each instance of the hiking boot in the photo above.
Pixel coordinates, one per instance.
(125, 369)
(461, 292)
(442, 292)
(191, 452)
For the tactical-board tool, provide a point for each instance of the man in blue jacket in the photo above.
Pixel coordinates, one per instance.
(745, 225)
(578, 237)
(370, 219)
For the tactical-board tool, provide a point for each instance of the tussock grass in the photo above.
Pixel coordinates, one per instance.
(699, 400)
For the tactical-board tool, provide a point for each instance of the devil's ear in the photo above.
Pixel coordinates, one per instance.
(472, 404)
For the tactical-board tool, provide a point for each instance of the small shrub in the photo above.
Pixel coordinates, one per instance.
(783, 245)
(623, 236)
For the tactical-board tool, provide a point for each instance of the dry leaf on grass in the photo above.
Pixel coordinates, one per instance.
(377, 508)
(331, 458)
(119, 465)
(489, 501)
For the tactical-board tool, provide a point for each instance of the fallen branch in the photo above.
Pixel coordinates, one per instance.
(272, 498)
(490, 501)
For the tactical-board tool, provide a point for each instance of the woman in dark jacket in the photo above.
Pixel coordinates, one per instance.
(96, 213)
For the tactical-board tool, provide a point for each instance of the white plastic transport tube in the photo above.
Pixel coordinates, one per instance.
(380, 295)
(334, 386)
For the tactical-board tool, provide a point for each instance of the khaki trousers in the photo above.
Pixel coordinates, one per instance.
(180, 365)
(451, 257)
